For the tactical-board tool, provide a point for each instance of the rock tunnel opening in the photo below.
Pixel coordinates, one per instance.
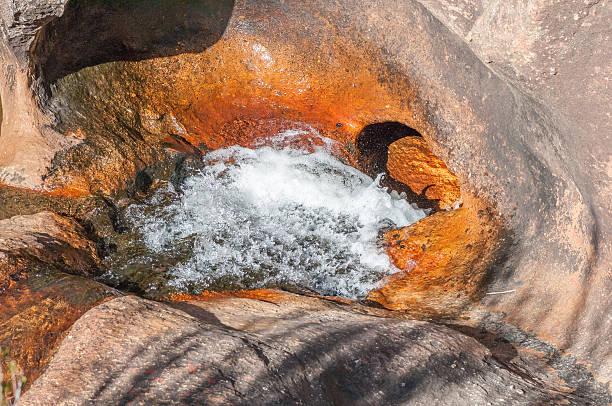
(373, 144)
(404, 157)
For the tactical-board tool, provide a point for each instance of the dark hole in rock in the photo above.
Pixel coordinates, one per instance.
(373, 144)
(373, 154)
(143, 182)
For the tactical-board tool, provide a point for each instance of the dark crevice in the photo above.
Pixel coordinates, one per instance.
(373, 152)
(373, 144)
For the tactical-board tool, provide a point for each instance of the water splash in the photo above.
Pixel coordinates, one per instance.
(275, 216)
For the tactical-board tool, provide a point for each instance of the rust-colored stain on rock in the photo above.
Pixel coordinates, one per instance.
(412, 163)
(38, 303)
(36, 312)
(238, 91)
(443, 263)
(266, 295)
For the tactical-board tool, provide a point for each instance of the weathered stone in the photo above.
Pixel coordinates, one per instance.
(440, 259)
(38, 302)
(514, 100)
(294, 350)
(36, 312)
(44, 238)
(412, 163)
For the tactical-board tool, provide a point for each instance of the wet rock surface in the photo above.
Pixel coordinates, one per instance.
(39, 301)
(514, 100)
(287, 350)
(44, 238)
(35, 314)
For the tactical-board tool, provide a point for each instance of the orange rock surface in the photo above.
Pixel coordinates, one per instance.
(38, 303)
(241, 89)
(412, 163)
(36, 312)
(442, 261)
(266, 295)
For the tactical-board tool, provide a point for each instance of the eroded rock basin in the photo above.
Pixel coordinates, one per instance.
(436, 209)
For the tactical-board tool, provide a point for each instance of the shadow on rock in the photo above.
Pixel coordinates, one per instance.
(244, 351)
(98, 31)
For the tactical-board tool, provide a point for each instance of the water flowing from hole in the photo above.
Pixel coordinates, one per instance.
(274, 216)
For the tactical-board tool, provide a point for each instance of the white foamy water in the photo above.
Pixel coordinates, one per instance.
(275, 216)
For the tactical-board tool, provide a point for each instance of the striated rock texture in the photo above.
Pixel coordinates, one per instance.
(287, 350)
(43, 238)
(514, 98)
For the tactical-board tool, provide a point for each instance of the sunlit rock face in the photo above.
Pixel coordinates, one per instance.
(442, 257)
(44, 238)
(412, 163)
(94, 104)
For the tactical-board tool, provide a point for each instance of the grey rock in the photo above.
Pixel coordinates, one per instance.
(298, 351)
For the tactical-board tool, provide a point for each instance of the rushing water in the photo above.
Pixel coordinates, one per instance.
(274, 216)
